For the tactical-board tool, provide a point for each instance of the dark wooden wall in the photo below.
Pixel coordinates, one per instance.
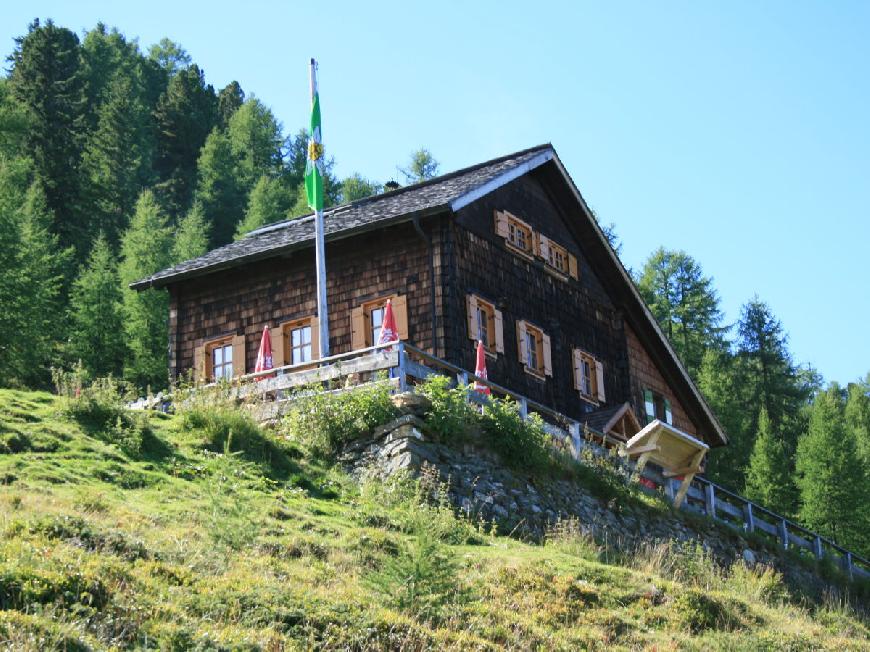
(573, 313)
(244, 299)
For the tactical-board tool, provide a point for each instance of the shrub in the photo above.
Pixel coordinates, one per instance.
(521, 444)
(696, 612)
(761, 583)
(688, 563)
(569, 536)
(100, 408)
(325, 421)
(451, 415)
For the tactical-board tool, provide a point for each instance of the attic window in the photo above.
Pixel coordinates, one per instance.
(517, 234)
(556, 257)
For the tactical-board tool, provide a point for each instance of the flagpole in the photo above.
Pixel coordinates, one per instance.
(320, 255)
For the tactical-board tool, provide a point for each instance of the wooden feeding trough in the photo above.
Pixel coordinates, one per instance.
(678, 453)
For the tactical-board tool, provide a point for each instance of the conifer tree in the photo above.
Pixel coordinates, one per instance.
(46, 78)
(358, 187)
(145, 249)
(768, 479)
(685, 304)
(191, 236)
(31, 279)
(255, 141)
(218, 190)
(270, 202)
(185, 115)
(858, 417)
(230, 99)
(421, 166)
(830, 477)
(96, 334)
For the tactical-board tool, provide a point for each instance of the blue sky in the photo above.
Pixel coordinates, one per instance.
(738, 131)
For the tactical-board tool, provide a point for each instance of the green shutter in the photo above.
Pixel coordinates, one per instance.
(649, 405)
(669, 418)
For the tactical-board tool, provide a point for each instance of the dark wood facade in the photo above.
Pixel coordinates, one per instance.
(434, 260)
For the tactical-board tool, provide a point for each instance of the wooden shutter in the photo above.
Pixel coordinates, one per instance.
(357, 328)
(543, 246)
(501, 224)
(577, 362)
(521, 342)
(599, 380)
(649, 405)
(277, 336)
(471, 308)
(239, 365)
(400, 312)
(199, 372)
(315, 338)
(548, 356)
(499, 332)
(669, 417)
(572, 266)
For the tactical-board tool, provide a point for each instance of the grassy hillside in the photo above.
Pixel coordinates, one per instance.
(118, 532)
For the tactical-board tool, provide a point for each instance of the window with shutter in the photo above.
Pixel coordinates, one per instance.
(368, 319)
(222, 358)
(297, 342)
(589, 376)
(518, 235)
(657, 406)
(532, 353)
(484, 324)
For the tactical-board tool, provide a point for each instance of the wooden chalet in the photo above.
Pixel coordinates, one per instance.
(506, 251)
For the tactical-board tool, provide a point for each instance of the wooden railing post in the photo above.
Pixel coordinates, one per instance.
(749, 517)
(524, 408)
(710, 500)
(403, 371)
(847, 564)
(817, 547)
(669, 489)
(782, 526)
(576, 441)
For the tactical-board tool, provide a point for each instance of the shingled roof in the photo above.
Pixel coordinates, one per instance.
(440, 193)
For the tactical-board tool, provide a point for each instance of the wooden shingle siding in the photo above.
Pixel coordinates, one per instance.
(241, 301)
(572, 313)
(646, 376)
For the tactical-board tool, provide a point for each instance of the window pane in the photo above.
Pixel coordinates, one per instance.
(305, 335)
(482, 325)
(306, 353)
(217, 357)
(296, 336)
(228, 354)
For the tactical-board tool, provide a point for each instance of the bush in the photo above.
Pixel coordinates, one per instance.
(569, 536)
(325, 421)
(521, 444)
(211, 412)
(761, 583)
(451, 415)
(696, 612)
(100, 408)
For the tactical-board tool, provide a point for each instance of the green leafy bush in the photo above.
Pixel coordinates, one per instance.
(451, 415)
(521, 444)
(324, 421)
(100, 408)
(696, 612)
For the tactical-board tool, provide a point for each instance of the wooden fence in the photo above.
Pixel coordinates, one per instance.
(406, 365)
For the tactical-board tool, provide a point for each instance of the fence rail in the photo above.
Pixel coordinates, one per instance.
(407, 365)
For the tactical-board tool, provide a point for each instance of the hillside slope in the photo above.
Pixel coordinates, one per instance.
(117, 533)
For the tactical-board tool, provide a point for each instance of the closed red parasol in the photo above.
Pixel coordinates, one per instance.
(264, 355)
(389, 332)
(480, 369)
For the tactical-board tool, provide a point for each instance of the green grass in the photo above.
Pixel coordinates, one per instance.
(190, 543)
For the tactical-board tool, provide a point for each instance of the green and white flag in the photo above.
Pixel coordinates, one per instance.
(314, 163)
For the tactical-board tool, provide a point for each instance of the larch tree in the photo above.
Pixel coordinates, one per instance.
(96, 333)
(421, 166)
(769, 481)
(269, 202)
(858, 417)
(170, 56)
(685, 304)
(145, 249)
(191, 236)
(830, 476)
(230, 99)
(218, 190)
(255, 141)
(356, 186)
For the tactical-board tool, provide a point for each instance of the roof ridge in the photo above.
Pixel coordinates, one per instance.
(403, 189)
